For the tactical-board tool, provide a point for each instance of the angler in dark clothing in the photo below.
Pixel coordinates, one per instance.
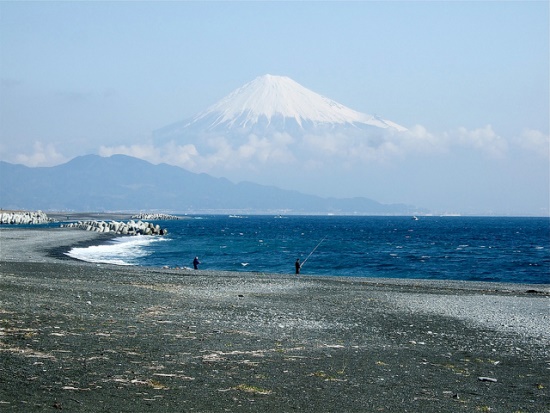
(196, 263)
(298, 266)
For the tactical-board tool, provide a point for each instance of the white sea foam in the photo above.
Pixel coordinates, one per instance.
(119, 251)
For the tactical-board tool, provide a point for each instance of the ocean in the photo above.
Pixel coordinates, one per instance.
(499, 249)
(493, 249)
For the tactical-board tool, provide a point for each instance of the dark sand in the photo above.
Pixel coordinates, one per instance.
(82, 337)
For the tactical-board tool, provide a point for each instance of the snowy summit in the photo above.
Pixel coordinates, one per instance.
(268, 97)
(273, 104)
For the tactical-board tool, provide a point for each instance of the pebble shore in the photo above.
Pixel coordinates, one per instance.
(87, 338)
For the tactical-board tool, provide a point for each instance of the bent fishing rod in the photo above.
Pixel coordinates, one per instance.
(317, 246)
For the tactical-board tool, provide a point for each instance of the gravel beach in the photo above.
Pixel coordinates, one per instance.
(83, 337)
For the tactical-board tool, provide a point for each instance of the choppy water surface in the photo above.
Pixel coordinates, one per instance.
(459, 248)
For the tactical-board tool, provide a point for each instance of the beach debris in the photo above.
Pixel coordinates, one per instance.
(178, 376)
(489, 379)
(333, 346)
(72, 388)
(251, 389)
(326, 377)
(155, 384)
(212, 358)
(534, 292)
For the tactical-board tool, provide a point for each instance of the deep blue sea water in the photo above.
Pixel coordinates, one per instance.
(448, 248)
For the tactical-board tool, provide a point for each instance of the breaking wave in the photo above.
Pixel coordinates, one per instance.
(119, 251)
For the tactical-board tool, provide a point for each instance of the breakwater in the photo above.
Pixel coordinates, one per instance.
(120, 228)
(23, 217)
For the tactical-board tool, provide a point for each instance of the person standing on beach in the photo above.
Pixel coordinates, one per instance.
(196, 263)
(298, 266)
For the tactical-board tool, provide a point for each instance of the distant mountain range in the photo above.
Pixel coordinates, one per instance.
(267, 106)
(122, 183)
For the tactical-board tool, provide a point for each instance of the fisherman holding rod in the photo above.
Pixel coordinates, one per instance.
(297, 264)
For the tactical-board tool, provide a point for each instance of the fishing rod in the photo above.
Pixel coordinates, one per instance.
(317, 246)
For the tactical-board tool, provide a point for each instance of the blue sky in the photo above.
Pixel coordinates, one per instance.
(471, 79)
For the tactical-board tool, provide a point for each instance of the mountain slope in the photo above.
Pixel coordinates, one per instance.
(274, 104)
(270, 96)
(123, 183)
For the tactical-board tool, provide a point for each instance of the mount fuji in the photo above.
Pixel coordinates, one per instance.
(278, 133)
(274, 104)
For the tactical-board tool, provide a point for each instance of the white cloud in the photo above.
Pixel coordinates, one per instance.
(219, 153)
(184, 155)
(329, 144)
(251, 153)
(255, 152)
(223, 155)
(172, 154)
(377, 145)
(146, 152)
(43, 155)
(419, 139)
(535, 141)
(482, 139)
(266, 149)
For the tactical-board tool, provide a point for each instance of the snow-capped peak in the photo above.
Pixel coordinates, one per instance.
(268, 96)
